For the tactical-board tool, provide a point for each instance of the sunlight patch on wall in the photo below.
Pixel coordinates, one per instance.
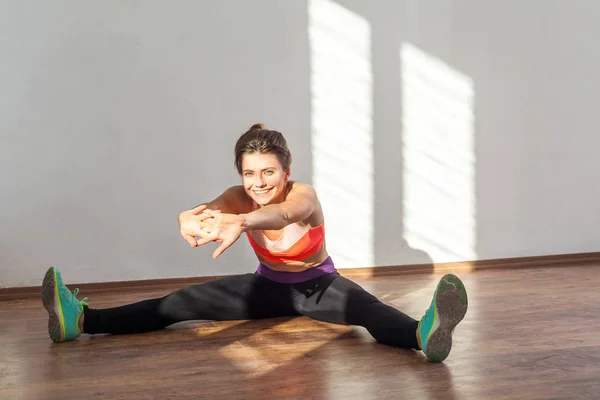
(342, 129)
(439, 157)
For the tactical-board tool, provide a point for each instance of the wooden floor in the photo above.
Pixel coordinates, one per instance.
(528, 334)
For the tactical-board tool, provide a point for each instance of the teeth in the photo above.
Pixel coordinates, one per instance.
(261, 191)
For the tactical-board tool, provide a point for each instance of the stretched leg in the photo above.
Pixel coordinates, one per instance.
(248, 296)
(333, 298)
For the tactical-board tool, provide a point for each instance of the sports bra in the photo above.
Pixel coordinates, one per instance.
(295, 244)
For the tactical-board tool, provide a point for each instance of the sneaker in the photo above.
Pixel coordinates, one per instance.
(63, 308)
(447, 309)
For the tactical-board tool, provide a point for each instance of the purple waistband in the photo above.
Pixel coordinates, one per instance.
(326, 267)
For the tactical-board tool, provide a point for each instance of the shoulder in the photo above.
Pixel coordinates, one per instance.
(235, 191)
(238, 198)
(302, 189)
(302, 193)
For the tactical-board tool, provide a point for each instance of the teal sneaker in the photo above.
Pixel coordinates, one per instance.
(63, 308)
(447, 309)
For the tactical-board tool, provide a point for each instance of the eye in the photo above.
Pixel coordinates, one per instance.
(269, 172)
(248, 174)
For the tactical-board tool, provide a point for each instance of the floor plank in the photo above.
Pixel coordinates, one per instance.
(528, 333)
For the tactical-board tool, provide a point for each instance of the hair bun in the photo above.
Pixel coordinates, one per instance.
(258, 126)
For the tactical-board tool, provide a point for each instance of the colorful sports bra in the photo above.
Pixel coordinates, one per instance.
(296, 244)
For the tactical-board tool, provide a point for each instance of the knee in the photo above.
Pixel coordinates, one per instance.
(169, 306)
(360, 298)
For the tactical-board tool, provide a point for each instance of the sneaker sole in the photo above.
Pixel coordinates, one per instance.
(51, 302)
(451, 304)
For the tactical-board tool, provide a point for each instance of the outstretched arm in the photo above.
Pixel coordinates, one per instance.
(227, 228)
(190, 220)
(228, 201)
(300, 203)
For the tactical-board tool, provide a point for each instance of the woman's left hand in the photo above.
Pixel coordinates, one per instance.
(221, 228)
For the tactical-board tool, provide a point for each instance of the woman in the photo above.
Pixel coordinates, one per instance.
(284, 223)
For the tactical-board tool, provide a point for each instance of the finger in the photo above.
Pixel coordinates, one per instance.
(191, 240)
(206, 224)
(224, 246)
(212, 213)
(206, 239)
(203, 217)
(199, 209)
(203, 233)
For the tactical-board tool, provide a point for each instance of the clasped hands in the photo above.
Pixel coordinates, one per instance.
(210, 226)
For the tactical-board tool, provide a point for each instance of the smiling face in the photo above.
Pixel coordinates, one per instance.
(264, 178)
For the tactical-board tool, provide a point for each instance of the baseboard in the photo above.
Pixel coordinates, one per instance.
(559, 260)
(145, 284)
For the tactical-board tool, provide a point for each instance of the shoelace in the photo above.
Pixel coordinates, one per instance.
(85, 299)
(428, 314)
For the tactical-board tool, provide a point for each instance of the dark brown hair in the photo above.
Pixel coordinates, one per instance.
(258, 139)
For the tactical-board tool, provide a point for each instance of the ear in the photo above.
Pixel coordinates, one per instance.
(287, 176)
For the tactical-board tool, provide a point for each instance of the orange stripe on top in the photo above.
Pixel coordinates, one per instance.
(296, 244)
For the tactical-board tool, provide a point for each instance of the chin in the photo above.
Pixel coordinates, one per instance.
(263, 201)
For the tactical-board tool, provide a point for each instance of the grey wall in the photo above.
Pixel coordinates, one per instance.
(118, 115)
(534, 68)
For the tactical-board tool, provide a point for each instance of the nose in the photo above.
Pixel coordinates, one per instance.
(260, 182)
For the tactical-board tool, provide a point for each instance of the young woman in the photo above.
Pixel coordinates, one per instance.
(284, 223)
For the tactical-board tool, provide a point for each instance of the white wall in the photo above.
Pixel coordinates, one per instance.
(117, 115)
(534, 66)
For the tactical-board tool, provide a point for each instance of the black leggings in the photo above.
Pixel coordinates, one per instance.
(329, 298)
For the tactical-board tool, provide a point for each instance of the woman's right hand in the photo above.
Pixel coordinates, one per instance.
(191, 222)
